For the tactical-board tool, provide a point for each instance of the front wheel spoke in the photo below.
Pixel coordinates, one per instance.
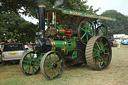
(25, 64)
(26, 58)
(53, 72)
(46, 64)
(35, 68)
(26, 61)
(48, 60)
(54, 56)
(50, 57)
(28, 68)
(57, 70)
(48, 69)
(31, 56)
(57, 61)
(36, 63)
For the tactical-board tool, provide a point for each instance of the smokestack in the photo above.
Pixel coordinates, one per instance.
(41, 7)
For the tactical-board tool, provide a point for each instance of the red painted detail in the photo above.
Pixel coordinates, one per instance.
(61, 30)
(5, 60)
(68, 33)
(2, 56)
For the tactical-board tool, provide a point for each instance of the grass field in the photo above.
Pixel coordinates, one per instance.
(115, 74)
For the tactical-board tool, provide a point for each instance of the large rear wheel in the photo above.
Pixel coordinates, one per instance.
(98, 53)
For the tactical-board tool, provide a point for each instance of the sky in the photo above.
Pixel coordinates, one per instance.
(118, 5)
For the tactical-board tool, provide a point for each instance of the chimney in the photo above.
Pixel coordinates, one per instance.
(41, 7)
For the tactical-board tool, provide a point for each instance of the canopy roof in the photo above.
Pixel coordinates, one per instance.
(64, 14)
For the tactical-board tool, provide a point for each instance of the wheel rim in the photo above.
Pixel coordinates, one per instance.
(29, 65)
(52, 65)
(98, 53)
(85, 31)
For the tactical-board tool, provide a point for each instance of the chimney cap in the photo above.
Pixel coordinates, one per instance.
(41, 2)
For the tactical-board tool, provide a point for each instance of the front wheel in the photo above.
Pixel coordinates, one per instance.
(52, 65)
(29, 64)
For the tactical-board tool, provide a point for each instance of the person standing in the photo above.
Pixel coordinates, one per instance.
(118, 46)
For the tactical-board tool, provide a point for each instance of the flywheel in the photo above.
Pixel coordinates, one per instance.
(85, 31)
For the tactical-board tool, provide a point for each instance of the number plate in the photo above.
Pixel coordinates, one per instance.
(11, 54)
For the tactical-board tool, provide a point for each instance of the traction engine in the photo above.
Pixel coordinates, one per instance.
(67, 37)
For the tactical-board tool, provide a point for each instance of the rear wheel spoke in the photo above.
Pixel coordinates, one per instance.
(99, 55)
(85, 31)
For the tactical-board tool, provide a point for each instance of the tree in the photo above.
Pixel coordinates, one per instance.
(14, 27)
(120, 25)
(27, 7)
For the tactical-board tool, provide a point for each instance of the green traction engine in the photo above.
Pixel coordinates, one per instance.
(67, 37)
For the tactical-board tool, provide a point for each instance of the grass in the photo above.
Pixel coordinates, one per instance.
(115, 74)
(11, 75)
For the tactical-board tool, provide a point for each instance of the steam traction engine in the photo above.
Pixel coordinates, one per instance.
(69, 37)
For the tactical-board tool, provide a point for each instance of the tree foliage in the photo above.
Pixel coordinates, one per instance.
(78, 5)
(14, 27)
(27, 7)
(120, 26)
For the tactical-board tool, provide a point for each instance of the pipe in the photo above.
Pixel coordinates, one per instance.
(41, 7)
